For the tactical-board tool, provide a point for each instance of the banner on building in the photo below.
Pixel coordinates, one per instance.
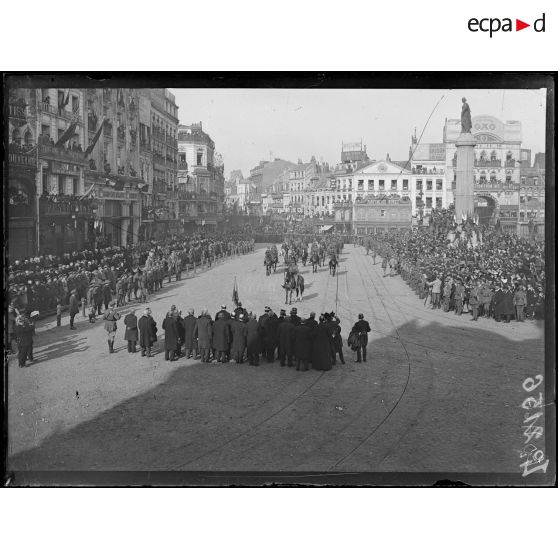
(95, 137)
(68, 134)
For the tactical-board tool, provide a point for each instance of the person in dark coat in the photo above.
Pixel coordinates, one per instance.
(203, 333)
(498, 301)
(180, 339)
(171, 336)
(270, 334)
(361, 329)
(238, 345)
(221, 337)
(239, 310)
(131, 333)
(107, 294)
(226, 315)
(24, 338)
(336, 341)
(507, 305)
(286, 333)
(190, 344)
(321, 347)
(295, 319)
(303, 345)
(147, 328)
(311, 321)
(261, 323)
(73, 307)
(110, 317)
(253, 341)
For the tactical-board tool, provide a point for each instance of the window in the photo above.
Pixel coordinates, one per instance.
(439, 183)
(419, 184)
(382, 211)
(428, 202)
(493, 156)
(60, 184)
(361, 184)
(536, 181)
(438, 203)
(405, 184)
(60, 132)
(199, 156)
(523, 180)
(394, 184)
(45, 181)
(75, 186)
(75, 103)
(429, 184)
(381, 185)
(350, 183)
(45, 130)
(371, 185)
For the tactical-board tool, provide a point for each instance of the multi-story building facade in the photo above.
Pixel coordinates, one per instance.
(532, 199)
(380, 213)
(498, 160)
(202, 177)
(90, 152)
(113, 163)
(46, 128)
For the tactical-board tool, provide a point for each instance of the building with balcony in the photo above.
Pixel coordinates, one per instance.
(48, 126)
(115, 176)
(532, 199)
(202, 174)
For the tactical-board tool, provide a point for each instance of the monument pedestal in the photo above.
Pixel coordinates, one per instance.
(465, 176)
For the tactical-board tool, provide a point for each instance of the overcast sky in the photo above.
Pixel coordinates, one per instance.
(249, 125)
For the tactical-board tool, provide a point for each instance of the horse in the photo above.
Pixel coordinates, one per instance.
(289, 285)
(299, 287)
(315, 261)
(332, 264)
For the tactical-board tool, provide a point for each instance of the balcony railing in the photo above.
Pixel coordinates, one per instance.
(48, 108)
(61, 154)
(496, 163)
(510, 163)
(17, 110)
(22, 159)
(65, 205)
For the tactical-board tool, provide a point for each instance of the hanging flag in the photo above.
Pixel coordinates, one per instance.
(235, 292)
(70, 131)
(63, 99)
(95, 138)
(88, 192)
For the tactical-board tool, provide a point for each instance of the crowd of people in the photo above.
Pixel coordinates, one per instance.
(241, 336)
(467, 268)
(47, 282)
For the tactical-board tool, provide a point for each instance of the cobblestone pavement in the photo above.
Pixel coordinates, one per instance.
(439, 392)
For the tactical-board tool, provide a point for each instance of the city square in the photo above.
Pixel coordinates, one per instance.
(371, 314)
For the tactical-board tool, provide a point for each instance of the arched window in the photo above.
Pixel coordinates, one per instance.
(28, 137)
(493, 156)
(16, 136)
(509, 156)
(493, 177)
(483, 177)
(483, 155)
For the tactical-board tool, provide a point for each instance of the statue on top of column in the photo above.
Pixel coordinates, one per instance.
(466, 124)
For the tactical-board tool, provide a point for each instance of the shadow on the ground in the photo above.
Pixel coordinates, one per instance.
(201, 408)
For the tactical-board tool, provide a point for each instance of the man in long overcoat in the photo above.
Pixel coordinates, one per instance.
(190, 345)
(361, 328)
(74, 307)
(203, 334)
(221, 337)
(238, 332)
(253, 341)
(270, 333)
(131, 333)
(321, 346)
(286, 333)
(147, 332)
(171, 336)
(303, 345)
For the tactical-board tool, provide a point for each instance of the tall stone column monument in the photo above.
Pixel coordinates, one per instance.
(464, 174)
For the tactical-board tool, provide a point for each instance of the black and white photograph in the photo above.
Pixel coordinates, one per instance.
(301, 280)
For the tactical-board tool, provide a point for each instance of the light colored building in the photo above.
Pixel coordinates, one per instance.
(203, 175)
(381, 213)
